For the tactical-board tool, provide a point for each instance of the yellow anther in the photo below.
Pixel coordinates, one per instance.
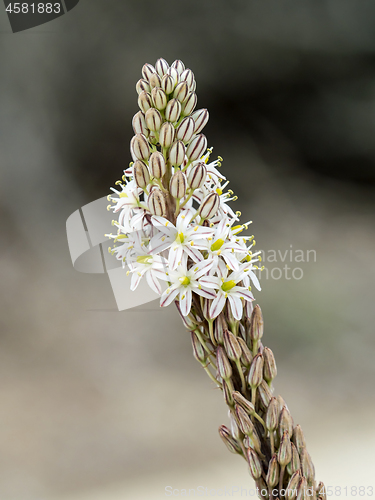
(220, 158)
(230, 191)
(109, 207)
(127, 272)
(192, 243)
(196, 228)
(260, 258)
(109, 197)
(166, 224)
(212, 224)
(163, 238)
(168, 290)
(123, 178)
(109, 249)
(238, 213)
(235, 198)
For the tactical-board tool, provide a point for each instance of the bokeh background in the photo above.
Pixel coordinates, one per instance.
(98, 404)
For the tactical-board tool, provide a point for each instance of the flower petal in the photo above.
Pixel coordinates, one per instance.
(217, 305)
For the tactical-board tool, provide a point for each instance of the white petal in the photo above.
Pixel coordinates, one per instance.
(167, 298)
(217, 305)
(185, 301)
(254, 279)
(153, 282)
(210, 282)
(175, 255)
(236, 306)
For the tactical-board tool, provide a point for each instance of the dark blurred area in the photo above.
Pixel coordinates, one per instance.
(92, 397)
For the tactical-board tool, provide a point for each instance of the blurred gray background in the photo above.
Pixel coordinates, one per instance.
(97, 404)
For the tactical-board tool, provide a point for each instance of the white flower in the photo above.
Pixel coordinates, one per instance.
(180, 238)
(150, 266)
(129, 203)
(227, 288)
(183, 282)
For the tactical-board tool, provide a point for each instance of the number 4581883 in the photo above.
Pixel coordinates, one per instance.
(39, 8)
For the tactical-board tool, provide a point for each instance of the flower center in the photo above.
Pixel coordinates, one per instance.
(180, 237)
(228, 285)
(184, 280)
(144, 259)
(217, 245)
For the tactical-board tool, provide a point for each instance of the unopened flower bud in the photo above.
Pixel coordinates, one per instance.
(235, 430)
(185, 130)
(299, 438)
(197, 175)
(265, 394)
(147, 71)
(139, 124)
(295, 463)
(301, 489)
(166, 135)
(321, 491)
(284, 455)
(178, 65)
(220, 325)
(223, 365)
(281, 403)
(269, 369)
(256, 371)
(173, 110)
(167, 84)
(139, 146)
(156, 203)
(273, 472)
(153, 119)
(200, 118)
(256, 324)
(141, 174)
(291, 489)
(254, 464)
(161, 67)
(285, 422)
(154, 80)
(157, 165)
(177, 185)
(197, 147)
(243, 421)
(174, 74)
(188, 77)
(272, 416)
(243, 402)
(246, 356)
(189, 105)
(231, 346)
(144, 101)
(262, 489)
(159, 98)
(228, 440)
(177, 153)
(181, 91)
(198, 350)
(209, 206)
(142, 86)
(308, 469)
(227, 394)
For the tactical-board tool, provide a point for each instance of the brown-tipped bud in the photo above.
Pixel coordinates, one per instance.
(197, 147)
(161, 67)
(273, 472)
(174, 74)
(235, 430)
(231, 346)
(154, 80)
(206, 309)
(153, 119)
(243, 402)
(141, 174)
(254, 464)
(227, 394)
(139, 124)
(156, 203)
(185, 130)
(256, 371)
(301, 489)
(167, 84)
(256, 324)
(285, 422)
(157, 165)
(223, 365)
(181, 91)
(173, 110)
(198, 350)
(177, 185)
(284, 455)
(200, 117)
(321, 491)
(262, 489)
(281, 403)
(246, 356)
(308, 469)
(197, 175)
(209, 206)
(142, 86)
(178, 65)
(166, 135)
(292, 488)
(177, 153)
(190, 104)
(139, 147)
(188, 77)
(265, 394)
(299, 438)
(295, 463)
(145, 101)
(147, 71)
(272, 416)
(269, 369)
(243, 421)
(219, 326)
(159, 97)
(228, 440)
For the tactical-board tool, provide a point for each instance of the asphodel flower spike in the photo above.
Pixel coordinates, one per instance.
(176, 227)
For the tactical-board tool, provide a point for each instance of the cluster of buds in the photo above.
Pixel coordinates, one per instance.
(175, 224)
